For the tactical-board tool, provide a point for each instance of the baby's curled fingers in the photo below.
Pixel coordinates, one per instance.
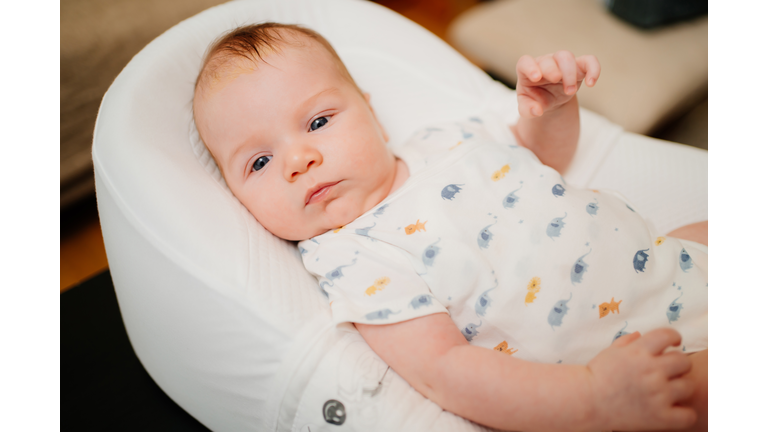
(674, 363)
(528, 68)
(591, 67)
(528, 107)
(550, 69)
(681, 389)
(567, 64)
(656, 341)
(626, 339)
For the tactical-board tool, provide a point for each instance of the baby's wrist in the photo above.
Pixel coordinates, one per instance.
(593, 418)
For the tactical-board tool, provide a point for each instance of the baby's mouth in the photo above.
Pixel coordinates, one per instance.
(319, 193)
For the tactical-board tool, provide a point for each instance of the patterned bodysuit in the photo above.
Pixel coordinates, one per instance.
(523, 263)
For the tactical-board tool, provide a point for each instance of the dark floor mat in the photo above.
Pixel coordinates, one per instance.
(103, 385)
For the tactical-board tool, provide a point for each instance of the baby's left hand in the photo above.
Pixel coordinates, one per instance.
(548, 82)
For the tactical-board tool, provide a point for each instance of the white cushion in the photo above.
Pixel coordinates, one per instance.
(648, 76)
(221, 313)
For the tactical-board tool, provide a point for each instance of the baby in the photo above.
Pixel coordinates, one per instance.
(462, 257)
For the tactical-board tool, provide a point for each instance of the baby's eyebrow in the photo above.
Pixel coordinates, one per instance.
(310, 100)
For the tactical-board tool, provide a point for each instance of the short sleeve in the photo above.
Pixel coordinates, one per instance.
(367, 281)
(431, 144)
(499, 130)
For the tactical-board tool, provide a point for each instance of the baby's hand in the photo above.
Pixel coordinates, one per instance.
(547, 82)
(636, 385)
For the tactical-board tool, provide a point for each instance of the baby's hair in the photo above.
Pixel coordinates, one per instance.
(252, 43)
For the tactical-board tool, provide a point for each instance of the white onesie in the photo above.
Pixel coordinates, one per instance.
(522, 262)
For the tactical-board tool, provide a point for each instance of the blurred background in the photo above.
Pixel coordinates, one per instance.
(653, 54)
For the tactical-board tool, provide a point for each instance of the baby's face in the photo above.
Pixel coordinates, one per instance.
(298, 144)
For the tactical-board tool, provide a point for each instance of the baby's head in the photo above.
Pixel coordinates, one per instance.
(295, 139)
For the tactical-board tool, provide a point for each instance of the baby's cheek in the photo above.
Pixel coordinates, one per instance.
(279, 218)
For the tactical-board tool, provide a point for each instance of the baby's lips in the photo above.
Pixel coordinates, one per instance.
(318, 188)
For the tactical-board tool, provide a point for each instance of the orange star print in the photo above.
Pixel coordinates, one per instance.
(503, 348)
(418, 226)
(609, 307)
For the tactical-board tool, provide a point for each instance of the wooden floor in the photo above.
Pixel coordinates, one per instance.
(82, 247)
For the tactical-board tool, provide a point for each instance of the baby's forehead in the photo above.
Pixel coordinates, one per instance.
(224, 66)
(228, 64)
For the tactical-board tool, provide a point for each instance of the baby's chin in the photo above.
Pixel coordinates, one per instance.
(335, 217)
(293, 235)
(298, 235)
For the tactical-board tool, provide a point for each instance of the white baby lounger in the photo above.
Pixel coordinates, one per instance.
(221, 313)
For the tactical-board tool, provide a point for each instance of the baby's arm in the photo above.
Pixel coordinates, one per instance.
(630, 385)
(549, 110)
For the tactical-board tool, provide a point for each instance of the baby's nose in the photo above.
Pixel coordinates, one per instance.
(300, 161)
(302, 170)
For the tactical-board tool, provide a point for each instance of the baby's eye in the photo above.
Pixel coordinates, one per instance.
(318, 123)
(260, 162)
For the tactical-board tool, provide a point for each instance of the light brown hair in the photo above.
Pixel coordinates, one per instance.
(252, 43)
